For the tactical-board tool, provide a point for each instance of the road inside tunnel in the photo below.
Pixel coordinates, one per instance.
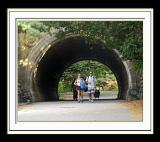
(64, 53)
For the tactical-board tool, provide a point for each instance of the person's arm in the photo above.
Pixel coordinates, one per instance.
(72, 86)
(75, 82)
(95, 81)
(86, 79)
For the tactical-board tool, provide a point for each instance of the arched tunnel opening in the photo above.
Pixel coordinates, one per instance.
(106, 82)
(64, 53)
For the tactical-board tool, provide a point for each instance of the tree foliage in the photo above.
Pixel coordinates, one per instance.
(29, 33)
(32, 28)
(100, 71)
(126, 36)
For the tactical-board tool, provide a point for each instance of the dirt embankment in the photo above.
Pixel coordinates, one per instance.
(136, 108)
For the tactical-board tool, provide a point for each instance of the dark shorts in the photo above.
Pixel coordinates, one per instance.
(78, 88)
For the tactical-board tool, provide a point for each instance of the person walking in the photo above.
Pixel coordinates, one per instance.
(91, 81)
(78, 82)
(74, 90)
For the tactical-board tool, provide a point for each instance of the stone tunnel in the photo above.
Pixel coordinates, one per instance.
(50, 57)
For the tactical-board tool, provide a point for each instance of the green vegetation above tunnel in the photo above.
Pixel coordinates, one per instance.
(126, 36)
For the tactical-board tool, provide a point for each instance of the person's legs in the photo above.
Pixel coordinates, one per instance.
(78, 95)
(73, 94)
(89, 94)
(92, 95)
(82, 96)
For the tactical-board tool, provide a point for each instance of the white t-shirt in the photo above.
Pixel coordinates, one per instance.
(77, 81)
(91, 81)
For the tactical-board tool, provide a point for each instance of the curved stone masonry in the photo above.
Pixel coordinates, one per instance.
(50, 57)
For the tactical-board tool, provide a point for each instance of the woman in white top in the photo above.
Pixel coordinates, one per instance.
(78, 88)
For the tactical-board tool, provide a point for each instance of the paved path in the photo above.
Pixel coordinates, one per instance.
(104, 95)
(100, 110)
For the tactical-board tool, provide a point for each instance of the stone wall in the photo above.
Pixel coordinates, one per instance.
(136, 84)
(27, 75)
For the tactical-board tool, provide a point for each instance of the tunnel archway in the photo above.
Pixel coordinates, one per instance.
(63, 53)
(106, 81)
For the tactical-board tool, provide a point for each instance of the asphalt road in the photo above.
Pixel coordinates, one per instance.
(100, 110)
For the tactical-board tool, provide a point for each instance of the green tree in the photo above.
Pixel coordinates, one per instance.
(126, 36)
(100, 71)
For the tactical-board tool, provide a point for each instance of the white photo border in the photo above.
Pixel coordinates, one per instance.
(144, 127)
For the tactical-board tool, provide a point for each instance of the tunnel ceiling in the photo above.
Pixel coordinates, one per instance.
(68, 51)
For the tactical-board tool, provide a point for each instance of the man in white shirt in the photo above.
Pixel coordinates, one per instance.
(91, 80)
